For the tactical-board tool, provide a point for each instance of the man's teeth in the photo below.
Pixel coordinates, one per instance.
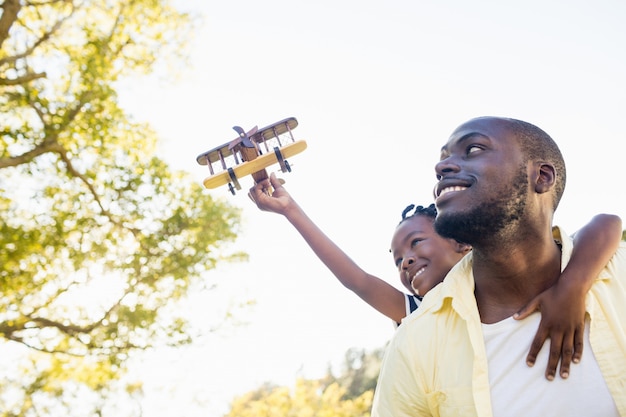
(450, 189)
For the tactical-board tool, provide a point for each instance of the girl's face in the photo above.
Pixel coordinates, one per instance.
(422, 256)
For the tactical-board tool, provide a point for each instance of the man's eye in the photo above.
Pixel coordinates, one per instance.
(473, 148)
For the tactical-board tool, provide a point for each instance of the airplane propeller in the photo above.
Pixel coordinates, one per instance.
(245, 137)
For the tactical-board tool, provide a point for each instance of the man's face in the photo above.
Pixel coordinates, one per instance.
(483, 181)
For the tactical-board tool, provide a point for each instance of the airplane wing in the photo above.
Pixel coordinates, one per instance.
(275, 129)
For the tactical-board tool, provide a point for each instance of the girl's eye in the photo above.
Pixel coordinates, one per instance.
(414, 242)
(398, 261)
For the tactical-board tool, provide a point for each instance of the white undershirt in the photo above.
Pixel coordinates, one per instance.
(521, 391)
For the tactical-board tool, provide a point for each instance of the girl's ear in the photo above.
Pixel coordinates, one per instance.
(462, 247)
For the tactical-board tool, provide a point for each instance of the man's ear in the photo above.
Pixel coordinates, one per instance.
(546, 177)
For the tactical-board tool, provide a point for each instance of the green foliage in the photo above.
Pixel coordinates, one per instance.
(307, 399)
(348, 395)
(98, 234)
(359, 373)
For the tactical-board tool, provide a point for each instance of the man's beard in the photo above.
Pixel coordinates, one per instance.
(483, 222)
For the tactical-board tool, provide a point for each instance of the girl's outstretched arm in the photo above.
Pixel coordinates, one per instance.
(270, 195)
(562, 306)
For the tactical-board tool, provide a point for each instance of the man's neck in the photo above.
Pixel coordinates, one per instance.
(507, 278)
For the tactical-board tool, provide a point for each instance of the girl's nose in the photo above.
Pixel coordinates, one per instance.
(407, 261)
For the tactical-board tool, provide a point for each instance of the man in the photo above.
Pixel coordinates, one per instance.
(462, 353)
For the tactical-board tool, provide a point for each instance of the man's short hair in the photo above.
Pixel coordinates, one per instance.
(538, 145)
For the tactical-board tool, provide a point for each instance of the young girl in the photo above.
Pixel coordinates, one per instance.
(423, 259)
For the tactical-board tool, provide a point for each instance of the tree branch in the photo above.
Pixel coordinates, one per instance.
(23, 79)
(44, 147)
(10, 10)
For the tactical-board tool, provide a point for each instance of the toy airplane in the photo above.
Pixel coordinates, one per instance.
(251, 153)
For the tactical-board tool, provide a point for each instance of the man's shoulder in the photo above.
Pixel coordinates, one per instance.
(422, 320)
(457, 285)
(449, 298)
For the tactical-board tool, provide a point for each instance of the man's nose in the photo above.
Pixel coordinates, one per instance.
(446, 166)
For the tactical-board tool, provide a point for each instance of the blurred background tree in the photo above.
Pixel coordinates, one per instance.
(349, 394)
(98, 235)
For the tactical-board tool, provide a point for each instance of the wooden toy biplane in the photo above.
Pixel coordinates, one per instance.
(251, 153)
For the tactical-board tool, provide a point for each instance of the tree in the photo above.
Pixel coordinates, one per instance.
(348, 395)
(359, 374)
(309, 398)
(98, 235)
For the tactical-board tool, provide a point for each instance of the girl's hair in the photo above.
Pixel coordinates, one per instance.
(412, 211)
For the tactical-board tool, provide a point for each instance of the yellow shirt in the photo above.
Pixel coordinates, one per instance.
(436, 364)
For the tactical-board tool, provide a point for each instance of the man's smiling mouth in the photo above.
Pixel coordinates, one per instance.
(451, 189)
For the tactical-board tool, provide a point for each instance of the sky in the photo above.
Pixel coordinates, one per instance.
(377, 88)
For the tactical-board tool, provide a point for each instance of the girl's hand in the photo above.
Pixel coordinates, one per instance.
(562, 308)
